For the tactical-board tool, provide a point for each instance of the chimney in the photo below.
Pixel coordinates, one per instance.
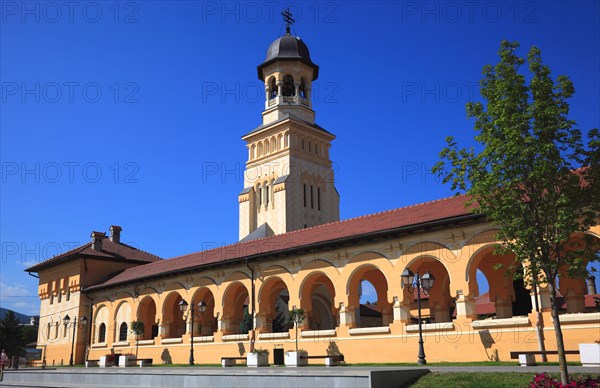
(97, 240)
(115, 233)
(591, 285)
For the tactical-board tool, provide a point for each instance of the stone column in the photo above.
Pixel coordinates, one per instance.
(400, 311)
(279, 91)
(440, 312)
(267, 95)
(297, 92)
(575, 302)
(465, 307)
(503, 307)
(188, 324)
(163, 329)
(347, 317)
(543, 299)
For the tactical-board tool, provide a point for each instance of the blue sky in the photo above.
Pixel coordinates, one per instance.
(131, 113)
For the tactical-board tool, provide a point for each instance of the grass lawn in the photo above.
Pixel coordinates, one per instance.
(477, 380)
(472, 363)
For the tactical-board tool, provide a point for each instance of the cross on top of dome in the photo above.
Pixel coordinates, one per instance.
(288, 19)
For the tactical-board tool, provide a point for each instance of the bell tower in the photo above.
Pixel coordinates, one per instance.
(289, 179)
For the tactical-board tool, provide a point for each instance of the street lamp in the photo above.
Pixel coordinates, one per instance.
(201, 308)
(419, 282)
(67, 321)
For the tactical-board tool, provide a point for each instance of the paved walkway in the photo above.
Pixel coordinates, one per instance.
(321, 370)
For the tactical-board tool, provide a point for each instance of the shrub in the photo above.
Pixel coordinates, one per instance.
(544, 380)
(110, 358)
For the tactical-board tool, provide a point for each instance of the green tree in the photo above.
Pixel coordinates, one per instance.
(11, 335)
(296, 316)
(280, 323)
(531, 175)
(246, 323)
(137, 328)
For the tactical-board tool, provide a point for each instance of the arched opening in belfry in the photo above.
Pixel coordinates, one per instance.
(173, 321)
(303, 94)
(236, 314)
(288, 88)
(147, 315)
(317, 300)
(272, 88)
(205, 323)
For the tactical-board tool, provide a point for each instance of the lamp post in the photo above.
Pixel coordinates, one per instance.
(419, 282)
(201, 308)
(75, 324)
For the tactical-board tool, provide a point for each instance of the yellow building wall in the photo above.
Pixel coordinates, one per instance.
(450, 254)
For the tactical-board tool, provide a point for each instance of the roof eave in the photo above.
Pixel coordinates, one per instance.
(263, 65)
(471, 217)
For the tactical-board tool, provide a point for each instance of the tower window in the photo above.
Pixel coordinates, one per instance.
(273, 88)
(312, 202)
(267, 195)
(318, 198)
(304, 195)
(123, 332)
(259, 195)
(288, 89)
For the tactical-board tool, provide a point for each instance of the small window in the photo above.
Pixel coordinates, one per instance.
(102, 333)
(48, 331)
(312, 199)
(305, 195)
(318, 198)
(123, 332)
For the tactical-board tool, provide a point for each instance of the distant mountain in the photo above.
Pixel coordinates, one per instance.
(21, 317)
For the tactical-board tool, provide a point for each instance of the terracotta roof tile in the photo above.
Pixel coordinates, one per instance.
(441, 209)
(110, 250)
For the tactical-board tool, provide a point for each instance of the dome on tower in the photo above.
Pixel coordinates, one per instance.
(288, 48)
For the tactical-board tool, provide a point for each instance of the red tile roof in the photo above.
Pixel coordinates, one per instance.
(110, 251)
(391, 220)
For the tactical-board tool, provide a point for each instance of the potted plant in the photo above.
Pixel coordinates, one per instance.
(137, 328)
(297, 358)
(107, 360)
(257, 357)
(127, 359)
(590, 354)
